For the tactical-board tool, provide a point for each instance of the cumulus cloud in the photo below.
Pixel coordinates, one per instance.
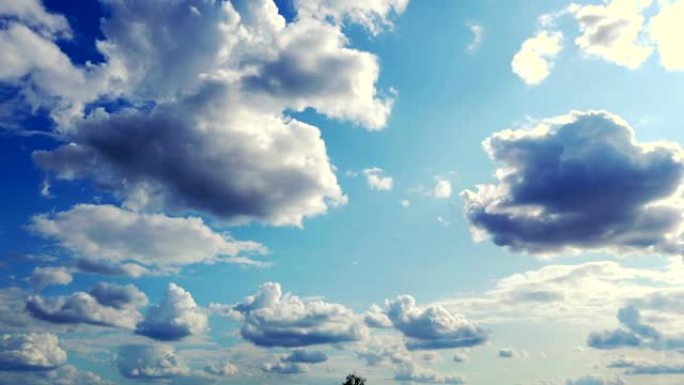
(223, 369)
(273, 318)
(238, 68)
(30, 352)
(64, 375)
(94, 233)
(305, 356)
(150, 362)
(175, 318)
(579, 182)
(665, 29)
(593, 380)
(105, 305)
(532, 63)
(378, 179)
(284, 368)
(382, 350)
(442, 189)
(413, 373)
(460, 356)
(611, 31)
(634, 334)
(432, 327)
(43, 277)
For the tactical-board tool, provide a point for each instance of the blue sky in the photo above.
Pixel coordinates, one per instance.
(258, 192)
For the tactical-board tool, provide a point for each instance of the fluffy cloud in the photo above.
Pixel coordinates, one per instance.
(238, 67)
(105, 305)
(224, 369)
(65, 375)
(271, 318)
(442, 189)
(665, 28)
(612, 31)
(593, 380)
(413, 373)
(175, 318)
(378, 179)
(382, 350)
(46, 276)
(460, 356)
(432, 327)
(305, 356)
(284, 368)
(95, 233)
(150, 362)
(579, 182)
(635, 334)
(533, 61)
(29, 352)
(575, 294)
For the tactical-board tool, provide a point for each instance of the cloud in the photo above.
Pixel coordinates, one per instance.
(442, 189)
(506, 353)
(532, 63)
(30, 352)
(305, 357)
(579, 182)
(432, 327)
(105, 305)
(382, 350)
(175, 318)
(271, 318)
(238, 70)
(593, 380)
(94, 233)
(150, 362)
(633, 367)
(575, 293)
(66, 375)
(374, 15)
(110, 268)
(665, 28)
(460, 356)
(378, 179)
(635, 334)
(413, 373)
(284, 368)
(224, 369)
(611, 31)
(478, 36)
(43, 277)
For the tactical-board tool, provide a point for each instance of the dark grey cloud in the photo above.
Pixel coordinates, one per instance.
(108, 268)
(104, 305)
(579, 182)
(633, 367)
(271, 318)
(305, 357)
(635, 333)
(506, 353)
(176, 317)
(432, 327)
(30, 352)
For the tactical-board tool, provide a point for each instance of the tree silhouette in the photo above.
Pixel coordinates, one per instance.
(353, 379)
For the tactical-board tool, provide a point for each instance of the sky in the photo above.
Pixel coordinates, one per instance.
(284, 192)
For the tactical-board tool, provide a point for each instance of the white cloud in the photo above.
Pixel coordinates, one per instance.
(105, 305)
(612, 31)
(150, 362)
(271, 318)
(95, 232)
(405, 203)
(378, 179)
(442, 189)
(46, 276)
(593, 380)
(666, 28)
(432, 327)
(372, 14)
(64, 375)
(413, 373)
(532, 63)
(29, 352)
(478, 35)
(175, 318)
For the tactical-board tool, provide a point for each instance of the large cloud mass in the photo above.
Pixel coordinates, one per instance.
(579, 182)
(207, 134)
